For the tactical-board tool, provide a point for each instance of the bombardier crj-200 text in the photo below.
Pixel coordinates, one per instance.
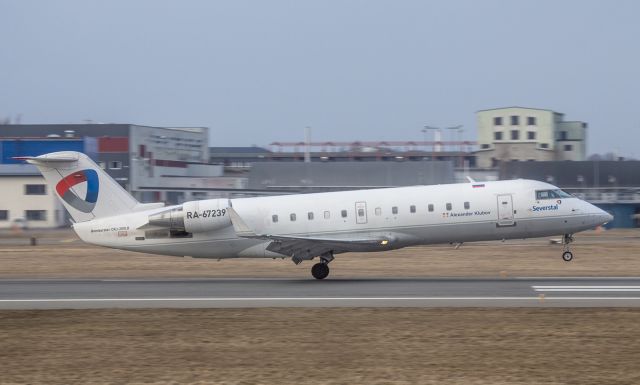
(305, 226)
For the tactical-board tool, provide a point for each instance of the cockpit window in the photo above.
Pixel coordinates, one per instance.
(552, 194)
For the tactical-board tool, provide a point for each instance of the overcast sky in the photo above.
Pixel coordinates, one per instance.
(260, 71)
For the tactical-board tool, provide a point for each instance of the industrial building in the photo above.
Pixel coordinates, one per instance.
(169, 164)
(27, 201)
(528, 134)
(296, 177)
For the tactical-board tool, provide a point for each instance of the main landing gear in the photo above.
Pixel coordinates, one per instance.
(321, 269)
(567, 255)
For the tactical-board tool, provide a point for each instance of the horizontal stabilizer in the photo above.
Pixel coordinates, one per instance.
(48, 158)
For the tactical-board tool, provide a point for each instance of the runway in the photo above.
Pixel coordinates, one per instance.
(382, 292)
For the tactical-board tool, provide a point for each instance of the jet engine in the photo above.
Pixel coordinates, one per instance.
(194, 216)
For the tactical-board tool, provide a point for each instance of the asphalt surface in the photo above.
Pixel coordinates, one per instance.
(382, 292)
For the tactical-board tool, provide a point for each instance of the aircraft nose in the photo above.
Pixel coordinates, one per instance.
(603, 217)
(609, 217)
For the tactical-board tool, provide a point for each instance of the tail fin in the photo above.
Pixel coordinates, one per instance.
(86, 191)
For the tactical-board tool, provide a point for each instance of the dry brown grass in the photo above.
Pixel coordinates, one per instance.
(321, 346)
(612, 253)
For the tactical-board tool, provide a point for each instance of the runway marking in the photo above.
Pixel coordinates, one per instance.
(267, 299)
(580, 288)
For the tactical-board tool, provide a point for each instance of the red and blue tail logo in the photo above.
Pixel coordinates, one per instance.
(65, 191)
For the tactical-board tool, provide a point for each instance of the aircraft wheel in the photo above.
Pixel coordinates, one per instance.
(320, 271)
(567, 256)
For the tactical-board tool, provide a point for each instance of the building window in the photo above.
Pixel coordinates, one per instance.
(531, 135)
(563, 135)
(430, 207)
(327, 215)
(497, 135)
(412, 209)
(544, 145)
(4, 215)
(274, 218)
(378, 211)
(35, 189)
(292, 217)
(515, 120)
(35, 215)
(449, 207)
(344, 213)
(497, 121)
(568, 147)
(484, 146)
(494, 162)
(115, 165)
(310, 216)
(466, 205)
(394, 210)
(531, 121)
(515, 134)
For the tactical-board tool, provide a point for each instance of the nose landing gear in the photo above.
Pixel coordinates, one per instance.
(567, 255)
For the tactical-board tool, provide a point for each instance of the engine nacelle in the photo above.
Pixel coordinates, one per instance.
(205, 215)
(194, 216)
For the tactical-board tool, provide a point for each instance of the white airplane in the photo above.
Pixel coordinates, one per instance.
(305, 226)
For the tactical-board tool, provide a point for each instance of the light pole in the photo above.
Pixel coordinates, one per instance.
(437, 131)
(455, 129)
(433, 144)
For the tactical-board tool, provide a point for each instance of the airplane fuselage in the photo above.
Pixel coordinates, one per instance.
(405, 216)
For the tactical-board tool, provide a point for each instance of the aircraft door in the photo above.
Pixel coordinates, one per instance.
(505, 210)
(361, 213)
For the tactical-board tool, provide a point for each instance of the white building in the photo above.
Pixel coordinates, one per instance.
(26, 200)
(528, 134)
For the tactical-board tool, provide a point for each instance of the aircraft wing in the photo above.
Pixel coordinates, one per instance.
(308, 247)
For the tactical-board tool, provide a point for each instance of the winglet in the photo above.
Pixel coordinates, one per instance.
(241, 228)
(470, 179)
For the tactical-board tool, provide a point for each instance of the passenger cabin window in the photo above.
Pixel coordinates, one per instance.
(344, 213)
(448, 206)
(412, 209)
(292, 217)
(274, 218)
(466, 205)
(378, 211)
(551, 194)
(430, 207)
(394, 210)
(327, 215)
(310, 215)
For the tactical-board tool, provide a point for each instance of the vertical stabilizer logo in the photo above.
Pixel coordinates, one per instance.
(65, 191)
